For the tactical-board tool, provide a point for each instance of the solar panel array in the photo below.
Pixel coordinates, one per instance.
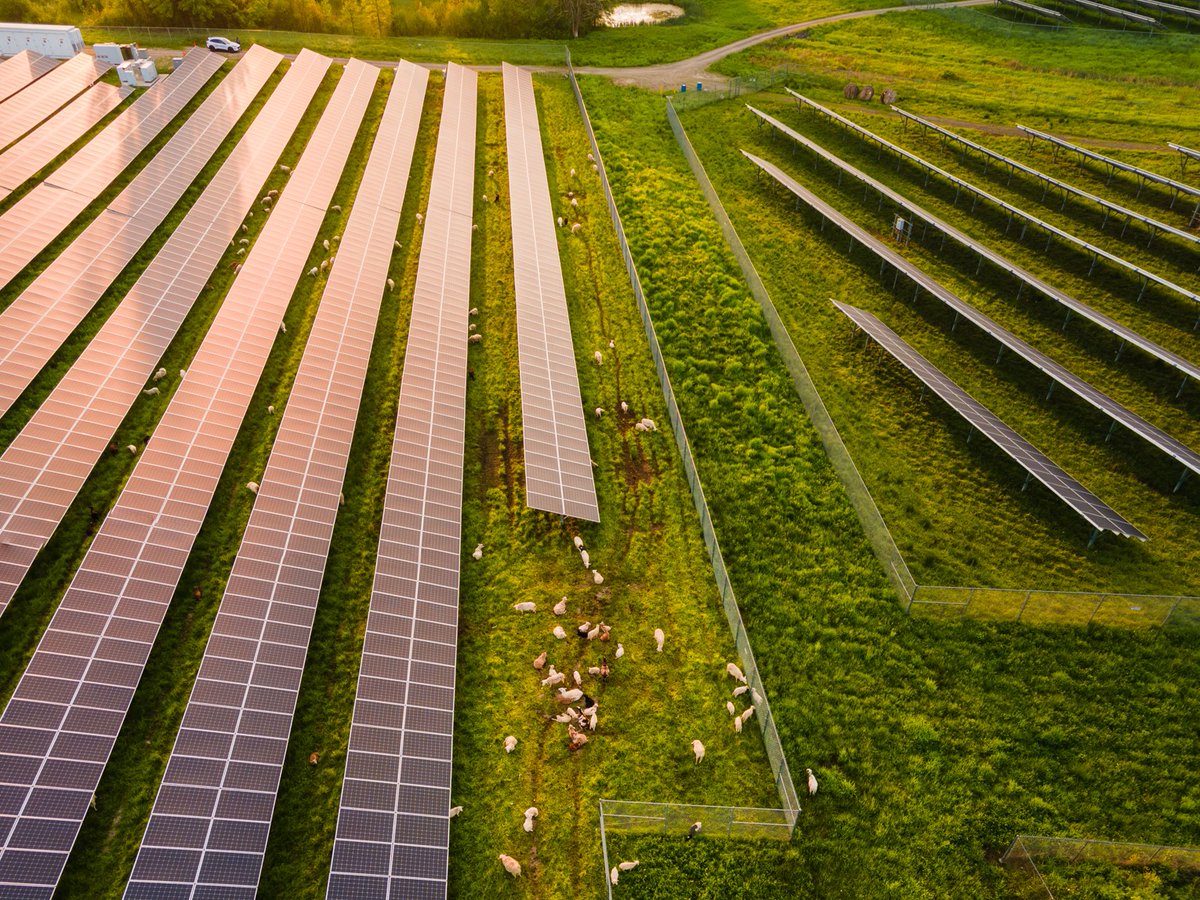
(1013, 211)
(59, 728)
(1126, 334)
(28, 227)
(1107, 205)
(393, 828)
(1030, 7)
(1116, 165)
(1097, 513)
(1173, 9)
(208, 830)
(1115, 11)
(18, 71)
(1060, 375)
(34, 152)
(24, 110)
(46, 464)
(37, 323)
(558, 463)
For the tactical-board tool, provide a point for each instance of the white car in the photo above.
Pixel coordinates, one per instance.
(223, 45)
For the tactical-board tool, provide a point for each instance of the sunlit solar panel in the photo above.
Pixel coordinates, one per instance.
(25, 109)
(22, 69)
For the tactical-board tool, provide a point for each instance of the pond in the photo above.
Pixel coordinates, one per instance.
(640, 14)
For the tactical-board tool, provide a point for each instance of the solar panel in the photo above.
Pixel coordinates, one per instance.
(34, 152)
(558, 463)
(393, 830)
(1114, 11)
(1013, 212)
(1094, 510)
(1127, 335)
(46, 464)
(36, 324)
(1107, 205)
(1058, 374)
(1116, 165)
(24, 110)
(239, 715)
(1186, 151)
(28, 227)
(18, 71)
(58, 729)
(1029, 7)
(1174, 9)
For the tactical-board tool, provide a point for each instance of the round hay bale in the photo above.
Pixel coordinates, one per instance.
(866, 92)
(889, 96)
(850, 91)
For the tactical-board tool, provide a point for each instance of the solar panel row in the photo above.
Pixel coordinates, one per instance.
(1186, 151)
(24, 110)
(58, 729)
(1114, 11)
(37, 323)
(1095, 511)
(22, 69)
(1107, 205)
(28, 227)
(1128, 335)
(199, 837)
(558, 463)
(1060, 375)
(46, 464)
(1030, 7)
(1172, 9)
(34, 152)
(1012, 211)
(393, 828)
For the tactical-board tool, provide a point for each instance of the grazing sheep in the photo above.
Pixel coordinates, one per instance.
(560, 222)
(475, 338)
(565, 696)
(593, 670)
(597, 577)
(473, 311)
(283, 327)
(341, 499)
(694, 830)
(285, 168)
(698, 750)
(613, 875)
(511, 866)
(510, 744)
(728, 706)
(490, 172)
(420, 219)
(314, 758)
(583, 629)
(530, 815)
(183, 373)
(639, 426)
(391, 283)
(659, 638)
(160, 374)
(397, 243)
(560, 607)
(576, 228)
(272, 193)
(237, 270)
(454, 811)
(313, 272)
(578, 541)
(592, 632)
(812, 782)
(626, 866)
(591, 158)
(151, 392)
(244, 241)
(595, 168)
(525, 606)
(324, 265)
(252, 487)
(564, 718)
(336, 208)
(587, 560)
(559, 633)
(599, 412)
(575, 201)
(620, 651)
(132, 448)
(553, 678)
(605, 631)
(745, 717)
(271, 409)
(733, 670)
(624, 407)
(575, 739)
(649, 423)
(540, 663)
(241, 250)
(244, 228)
(737, 724)
(578, 679)
(325, 244)
(740, 689)
(598, 357)
(485, 199)
(572, 173)
(612, 345)
(478, 552)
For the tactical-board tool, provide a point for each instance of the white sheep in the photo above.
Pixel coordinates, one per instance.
(336, 208)
(565, 696)
(477, 553)
(283, 327)
(540, 662)
(151, 392)
(285, 168)
(252, 487)
(420, 219)
(272, 193)
(626, 866)
(510, 744)
(624, 407)
(471, 327)
(593, 670)
(485, 198)
(324, 265)
(391, 283)
(560, 608)
(530, 815)
(183, 373)
(597, 577)
(572, 173)
(577, 678)
(812, 782)
(244, 241)
(639, 426)
(244, 228)
(237, 270)
(740, 689)
(313, 272)
(733, 670)
(620, 651)
(491, 172)
(612, 344)
(578, 541)
(564, 718)
(511, 866)
(737, 724)
(132, 448)
(525, 606)
(728, 706)
(475, 338)
(558, 632)
(160, 374)
(599, 412)
(613, 875)
(454, 811)
(595, 168)
(397, 243)
(576, 228)
(698, 750)
(271, 409)
(598, 357)
(587, 560)
(241, 250)
(575, 201)
(473, 311)
(659, 638)
(649, 423)
(592, 632)
(325, 244)
(553, 678)
(745, 717)
(560, 222)
(591, 158)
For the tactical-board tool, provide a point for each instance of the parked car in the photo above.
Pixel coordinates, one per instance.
(223, 45)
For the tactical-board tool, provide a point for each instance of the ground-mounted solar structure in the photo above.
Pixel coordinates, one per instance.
(23, 111)
(1033, 8)
(1144, 276)
(28, 227)
(46, 464)
(1026, 278)
(42, 146)
(1117, 413)
(22, 69)
(1091, 508)
(36, 323)
(200, 837)
(393, 830)
(1115, 12)
(58, 729)
(558, 463)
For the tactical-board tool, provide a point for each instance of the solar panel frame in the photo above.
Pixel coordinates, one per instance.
(30, 224)
(21, 70)
(1091, 508)
(392, 838)
(47, 462)
(1107, 205)
(1095, 398)
(961, 184)
(558, 462)
(65, 712)
(1030, 7)
(1114, 11)
(23, 111)
(1186, 151)
(1187, 12)
(36, 323)
(270, 598)
(1128, 335)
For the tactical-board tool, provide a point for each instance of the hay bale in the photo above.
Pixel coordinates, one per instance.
(889, 96)
(850, 91)
(866, 92)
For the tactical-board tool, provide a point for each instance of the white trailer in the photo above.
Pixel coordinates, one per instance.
(57, 41)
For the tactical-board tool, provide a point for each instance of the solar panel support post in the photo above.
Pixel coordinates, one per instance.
(1182, 478)
(1112, 427)
(1183, 383)
(1066, 321)
(1050, 392)
(1091, 543)
(1025, 484)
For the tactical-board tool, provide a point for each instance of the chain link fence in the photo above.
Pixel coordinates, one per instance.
(1022, 856)
(733, 87)
(766, 721)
